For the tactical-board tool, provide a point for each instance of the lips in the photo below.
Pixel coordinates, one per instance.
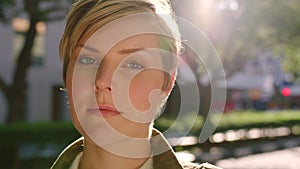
(104, 110)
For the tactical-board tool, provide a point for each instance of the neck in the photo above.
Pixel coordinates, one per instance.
(95, 156)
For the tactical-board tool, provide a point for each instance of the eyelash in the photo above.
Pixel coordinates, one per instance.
(134, 65)
(87, 60)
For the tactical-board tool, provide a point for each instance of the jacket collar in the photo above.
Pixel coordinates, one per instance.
(164, 156)
(161, 160)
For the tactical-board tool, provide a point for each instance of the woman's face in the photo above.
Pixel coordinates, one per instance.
(115, 86)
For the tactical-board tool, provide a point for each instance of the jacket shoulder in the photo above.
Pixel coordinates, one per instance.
(199, 166)
(67, 156)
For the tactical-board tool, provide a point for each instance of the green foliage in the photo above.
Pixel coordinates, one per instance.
(22, 133)
(182, 124)
(40, 10)
(253, 119)
(291, 60)
(34, 11)
(237, 120)
(63, 132)
(4, 12)
(256, 26)
(270, 22)
(275, 25)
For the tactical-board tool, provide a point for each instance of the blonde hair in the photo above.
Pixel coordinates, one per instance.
(87, 16)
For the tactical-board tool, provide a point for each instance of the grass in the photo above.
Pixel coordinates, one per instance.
(60, 134)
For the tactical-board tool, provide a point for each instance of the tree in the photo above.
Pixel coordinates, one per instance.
(241, 29)
(291, 60)
(271, 25)
(35, 11)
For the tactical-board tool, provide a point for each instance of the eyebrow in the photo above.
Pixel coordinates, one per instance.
(89, 48)
(122, 51)
(128, 51)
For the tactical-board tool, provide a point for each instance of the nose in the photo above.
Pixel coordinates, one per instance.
(103, 80)
(102, 86)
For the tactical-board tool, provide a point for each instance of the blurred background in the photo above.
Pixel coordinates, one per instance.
(257, 41)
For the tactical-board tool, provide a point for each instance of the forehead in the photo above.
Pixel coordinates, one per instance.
(135, 27)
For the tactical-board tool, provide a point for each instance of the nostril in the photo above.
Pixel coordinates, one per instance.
(102, 86)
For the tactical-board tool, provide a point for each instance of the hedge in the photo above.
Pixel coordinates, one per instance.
(253, 119)
(64, 132)
(237, 120)
(41, 132)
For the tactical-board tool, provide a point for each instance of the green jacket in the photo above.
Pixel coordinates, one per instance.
(166, 160)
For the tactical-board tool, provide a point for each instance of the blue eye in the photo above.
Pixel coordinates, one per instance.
(86, 60)
(134, 65)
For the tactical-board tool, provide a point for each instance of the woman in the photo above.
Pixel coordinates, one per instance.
(120, 60)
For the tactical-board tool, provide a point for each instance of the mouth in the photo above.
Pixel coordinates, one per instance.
(104, 110)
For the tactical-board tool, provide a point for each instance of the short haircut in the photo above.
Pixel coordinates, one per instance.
(87, 16)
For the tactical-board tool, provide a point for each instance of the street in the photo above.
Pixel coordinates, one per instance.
(281, 159)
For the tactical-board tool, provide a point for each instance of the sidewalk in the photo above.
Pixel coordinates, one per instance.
(281, 159)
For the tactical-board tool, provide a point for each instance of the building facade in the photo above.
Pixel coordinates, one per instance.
(45, 99)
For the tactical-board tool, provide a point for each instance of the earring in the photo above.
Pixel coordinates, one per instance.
(63, 89)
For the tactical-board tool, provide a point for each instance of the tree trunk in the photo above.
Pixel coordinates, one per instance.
(17, 93)
(16, 105)
(205, 91)
(173, 103)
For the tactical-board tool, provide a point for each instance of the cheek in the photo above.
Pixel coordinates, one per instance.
(77, 87)
(79, 83)
(73, 115)
(69, 86)
(141, 88)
